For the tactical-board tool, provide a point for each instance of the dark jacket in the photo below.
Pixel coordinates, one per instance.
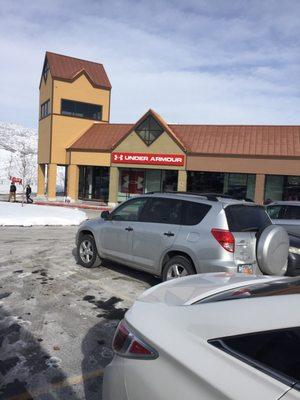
(28, 191)
(13, 188)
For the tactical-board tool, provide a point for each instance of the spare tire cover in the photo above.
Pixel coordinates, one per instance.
(272, 250)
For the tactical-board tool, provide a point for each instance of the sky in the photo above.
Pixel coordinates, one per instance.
(192, 61)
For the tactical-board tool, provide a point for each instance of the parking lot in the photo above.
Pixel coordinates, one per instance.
(57, 319)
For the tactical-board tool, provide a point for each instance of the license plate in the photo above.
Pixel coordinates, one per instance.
(245, 269)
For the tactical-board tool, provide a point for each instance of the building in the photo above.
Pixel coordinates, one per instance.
(110, 162)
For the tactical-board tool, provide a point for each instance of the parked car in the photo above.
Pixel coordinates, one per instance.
(174, 235)
(212, 336)
(293, 267)
(286, 214)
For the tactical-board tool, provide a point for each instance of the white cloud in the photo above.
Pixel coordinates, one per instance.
(193, 61)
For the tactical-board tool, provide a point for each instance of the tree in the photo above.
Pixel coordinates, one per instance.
(25, 166)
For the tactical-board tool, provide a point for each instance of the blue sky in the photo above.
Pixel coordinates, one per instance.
(193, 61)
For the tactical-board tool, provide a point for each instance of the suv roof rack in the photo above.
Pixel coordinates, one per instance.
(208, 196)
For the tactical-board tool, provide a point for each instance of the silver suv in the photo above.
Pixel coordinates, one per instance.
(174, 234)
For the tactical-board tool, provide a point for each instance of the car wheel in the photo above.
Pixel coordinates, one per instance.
(177, 267)
(87, 253)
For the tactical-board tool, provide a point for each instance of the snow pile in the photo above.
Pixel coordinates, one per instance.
(14, 139)
(13, 214)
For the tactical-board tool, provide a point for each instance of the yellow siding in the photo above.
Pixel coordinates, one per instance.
(90, 158)
(65, 131)
(80, 90)
(44, 140)
(46, 90)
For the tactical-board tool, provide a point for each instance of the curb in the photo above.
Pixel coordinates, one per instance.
(80, 206)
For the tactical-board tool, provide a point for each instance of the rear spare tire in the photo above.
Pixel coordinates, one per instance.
(272, 250)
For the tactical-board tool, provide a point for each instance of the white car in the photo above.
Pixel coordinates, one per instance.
(210, 336)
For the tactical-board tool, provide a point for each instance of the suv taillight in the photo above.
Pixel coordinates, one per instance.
(127, 344)
(225, 238)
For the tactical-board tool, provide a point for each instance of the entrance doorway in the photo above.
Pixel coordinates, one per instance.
(139, 181)
(93, 183)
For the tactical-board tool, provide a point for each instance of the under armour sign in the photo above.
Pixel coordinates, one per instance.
(148, 159)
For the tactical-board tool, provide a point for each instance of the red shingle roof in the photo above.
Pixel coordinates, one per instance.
(252, 140)
(242, 140)
(68, 68)
(101, 137)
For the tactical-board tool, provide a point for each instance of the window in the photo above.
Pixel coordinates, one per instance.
(81, 110)
(193, 213)
(292, 212)
(276, 212)
(45, 70)
(129, 211)
(163, 211)
(282, 187)
(45, 109)
(277, 352)
(149, 130)
(242, 218)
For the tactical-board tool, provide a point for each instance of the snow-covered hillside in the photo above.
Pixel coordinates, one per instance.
(15, 139)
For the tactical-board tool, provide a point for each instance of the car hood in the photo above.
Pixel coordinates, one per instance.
(186, 291)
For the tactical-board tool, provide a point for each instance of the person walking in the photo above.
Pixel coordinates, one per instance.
(12, 192)
(28, 194)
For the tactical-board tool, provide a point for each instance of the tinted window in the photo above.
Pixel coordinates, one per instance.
(45, 109)
(292, 212)
(164, 211)
(81, 110)
(129, 211)
(149, 130)
(193, 213)
(275, 212)
(243, 218)
(276, 353)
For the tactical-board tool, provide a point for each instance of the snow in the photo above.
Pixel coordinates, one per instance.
(13, 214)
(13, 138)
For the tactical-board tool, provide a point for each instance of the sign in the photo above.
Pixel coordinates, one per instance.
(176, 160)
(13, 179)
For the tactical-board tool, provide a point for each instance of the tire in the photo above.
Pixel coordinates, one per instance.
(182, 263)
(87, 254)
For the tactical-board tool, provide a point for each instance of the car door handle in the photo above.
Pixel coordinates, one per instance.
(169, 234)
(129, 228)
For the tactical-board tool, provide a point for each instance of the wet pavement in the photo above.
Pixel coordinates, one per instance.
(57, 318)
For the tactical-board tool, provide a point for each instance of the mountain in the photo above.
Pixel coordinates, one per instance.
(13, 140)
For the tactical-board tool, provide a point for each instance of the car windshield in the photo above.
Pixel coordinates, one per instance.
(281, 287)
(246, 218)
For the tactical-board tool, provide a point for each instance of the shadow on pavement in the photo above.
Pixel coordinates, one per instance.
(97, 353)
(27, 371)
(130, 273)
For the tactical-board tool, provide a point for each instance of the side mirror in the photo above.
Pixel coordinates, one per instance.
(105, 214)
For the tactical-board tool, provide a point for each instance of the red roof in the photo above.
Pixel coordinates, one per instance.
(69, 68)
(101, 137)
(245, 140)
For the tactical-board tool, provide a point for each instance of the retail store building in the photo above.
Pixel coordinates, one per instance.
(110, 162)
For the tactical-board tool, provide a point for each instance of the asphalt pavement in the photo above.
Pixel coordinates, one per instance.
(57, 318)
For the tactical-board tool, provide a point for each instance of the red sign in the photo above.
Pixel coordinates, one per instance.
(148, 159)
(13, 179)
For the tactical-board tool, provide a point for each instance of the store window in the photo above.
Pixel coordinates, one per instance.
(240, 186)
(138, 181)
(282, 187)
(149, 130)
(93, 183)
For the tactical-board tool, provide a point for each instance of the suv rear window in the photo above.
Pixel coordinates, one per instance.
(193, 213)
(243, 218)
(276, 352)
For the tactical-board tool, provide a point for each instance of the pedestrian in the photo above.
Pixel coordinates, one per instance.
(12, 192)
(28, 194)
